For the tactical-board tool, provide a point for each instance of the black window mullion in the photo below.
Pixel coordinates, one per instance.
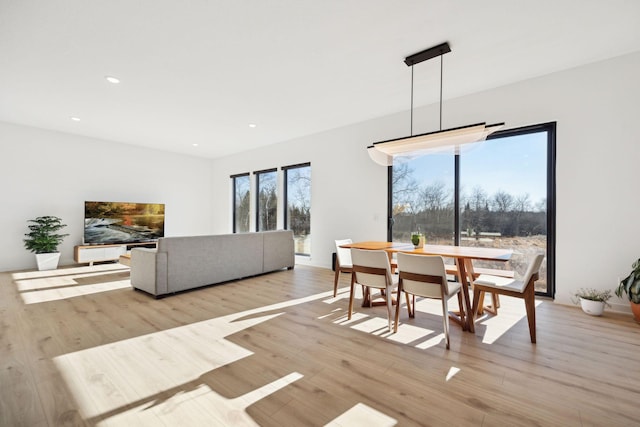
(257, 174)
(234, 179)
(235, 213)
(286, 197)
(456, 200)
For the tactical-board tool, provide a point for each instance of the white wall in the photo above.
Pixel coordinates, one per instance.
(595, 107)
(52, 173)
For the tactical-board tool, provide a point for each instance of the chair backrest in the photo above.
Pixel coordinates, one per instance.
(432, 270)
(367, 260)
(533, 268)
(343, 254)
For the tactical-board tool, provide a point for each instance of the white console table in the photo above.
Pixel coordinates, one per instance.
(98, 253)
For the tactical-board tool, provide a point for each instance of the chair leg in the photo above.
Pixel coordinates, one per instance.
(411, 307)
(445, 321)
(530, 305)
(397, 318)
(480, 309)
(495, 301)
(353, 288)
(389, 297)
(493, 308)
(335, 281)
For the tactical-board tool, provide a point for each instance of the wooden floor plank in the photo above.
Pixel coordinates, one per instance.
(80, 347)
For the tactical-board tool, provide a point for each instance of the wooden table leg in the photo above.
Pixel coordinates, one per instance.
(459, 316)
(464, 284)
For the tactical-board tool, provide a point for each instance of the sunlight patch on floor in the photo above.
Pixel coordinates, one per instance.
(409, 333)
(331, 314)
(198, 406)
(53, 285)
(511, 312)
(355, 317)
(431, 342)
(343, 294)
(363, 415)
(168, 378)
(373, 325)
(452, 373)
(374, 321)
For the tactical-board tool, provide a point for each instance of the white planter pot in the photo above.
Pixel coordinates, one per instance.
(48, 261)
(594, 308)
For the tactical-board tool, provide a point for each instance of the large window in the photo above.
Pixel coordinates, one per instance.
(241, 202)
(297, 181)
(267, 199)
(500, 193)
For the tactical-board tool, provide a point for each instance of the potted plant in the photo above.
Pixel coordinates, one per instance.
(417, 239)
(630, 285)
(43, 240)
(592, 301)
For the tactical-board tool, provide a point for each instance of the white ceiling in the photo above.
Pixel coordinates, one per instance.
(199, 71)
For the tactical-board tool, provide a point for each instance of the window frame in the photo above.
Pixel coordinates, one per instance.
(233, 192)
(550, 129)
(257, 178)
(286, 169)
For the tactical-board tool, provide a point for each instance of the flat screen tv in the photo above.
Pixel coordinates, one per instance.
(121, 222)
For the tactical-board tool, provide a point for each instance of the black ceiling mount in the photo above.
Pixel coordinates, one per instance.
(427, 54)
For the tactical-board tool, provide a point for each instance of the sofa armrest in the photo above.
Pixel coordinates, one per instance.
(149, 270)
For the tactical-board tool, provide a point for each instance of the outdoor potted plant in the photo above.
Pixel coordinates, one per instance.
(43, 240)
(630, 285)
(592, 301)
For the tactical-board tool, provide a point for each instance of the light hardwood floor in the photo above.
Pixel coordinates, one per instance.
(79, 347)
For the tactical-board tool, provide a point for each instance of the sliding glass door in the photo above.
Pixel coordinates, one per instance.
(500, 193)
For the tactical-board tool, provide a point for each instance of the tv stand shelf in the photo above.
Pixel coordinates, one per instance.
(98, 253)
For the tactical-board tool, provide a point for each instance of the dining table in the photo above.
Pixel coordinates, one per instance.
(463, 256)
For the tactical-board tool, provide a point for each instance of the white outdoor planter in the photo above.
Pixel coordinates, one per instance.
(48, 261)
(594, 308)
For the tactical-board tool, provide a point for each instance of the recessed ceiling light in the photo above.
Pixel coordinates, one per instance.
(195, 145)
(252, 125)
(112, 79)
(75, 119)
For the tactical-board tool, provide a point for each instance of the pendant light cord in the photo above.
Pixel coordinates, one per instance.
(411, 130)
(441, 79)
(441, 91)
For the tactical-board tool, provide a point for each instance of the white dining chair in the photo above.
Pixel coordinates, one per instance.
(343, 262)
(425, 276)
(524, 289)
(371, 268)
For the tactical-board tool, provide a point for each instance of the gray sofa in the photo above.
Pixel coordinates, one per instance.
(181, 263)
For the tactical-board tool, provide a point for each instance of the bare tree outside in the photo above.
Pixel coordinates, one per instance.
(298, 205)
(242, 199)
(495, 201)
(267, 200)
(421, 206)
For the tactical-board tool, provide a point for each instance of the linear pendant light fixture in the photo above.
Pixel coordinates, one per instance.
(383, 152)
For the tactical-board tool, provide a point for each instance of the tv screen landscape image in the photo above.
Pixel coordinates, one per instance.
(121, 222)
